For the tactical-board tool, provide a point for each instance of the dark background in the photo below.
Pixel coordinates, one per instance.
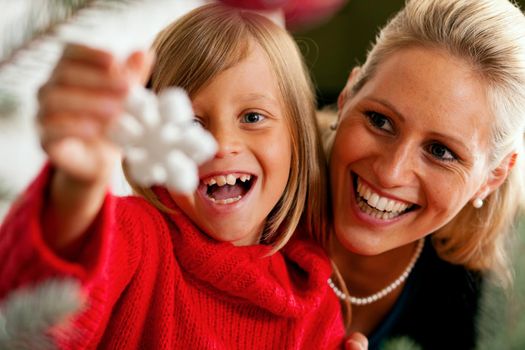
(332, 48)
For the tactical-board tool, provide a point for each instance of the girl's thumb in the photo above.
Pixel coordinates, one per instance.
(356, 341)
(138, 66)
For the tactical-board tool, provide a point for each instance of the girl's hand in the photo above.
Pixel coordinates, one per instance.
(83, 96)
(356, 341)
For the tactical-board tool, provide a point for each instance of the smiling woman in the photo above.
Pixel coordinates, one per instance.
(435, 162)
(429, 143)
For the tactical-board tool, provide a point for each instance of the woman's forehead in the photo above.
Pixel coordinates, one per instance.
(433, 90)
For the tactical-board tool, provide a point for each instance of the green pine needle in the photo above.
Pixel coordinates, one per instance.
(401, 343)
(27, 315)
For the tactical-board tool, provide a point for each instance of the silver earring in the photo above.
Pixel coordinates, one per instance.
(477, 203)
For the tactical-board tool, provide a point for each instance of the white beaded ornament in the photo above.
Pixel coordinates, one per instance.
(158, 138)
(161, 142)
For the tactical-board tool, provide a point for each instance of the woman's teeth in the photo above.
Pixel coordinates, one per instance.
(377, 206)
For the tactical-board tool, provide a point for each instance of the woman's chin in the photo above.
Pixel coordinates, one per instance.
(360, 244)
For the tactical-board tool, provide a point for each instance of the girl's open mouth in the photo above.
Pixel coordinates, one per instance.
(227, 189)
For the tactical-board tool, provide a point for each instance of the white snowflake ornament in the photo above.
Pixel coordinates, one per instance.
(161, 142)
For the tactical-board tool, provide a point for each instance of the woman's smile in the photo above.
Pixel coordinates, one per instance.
(376, 204)
(402, 153)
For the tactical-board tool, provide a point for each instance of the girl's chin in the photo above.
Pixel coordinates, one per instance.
(226, 235)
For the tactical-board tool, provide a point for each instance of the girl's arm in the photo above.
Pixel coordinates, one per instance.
(44, 236)
(103, 263)
(83, 97)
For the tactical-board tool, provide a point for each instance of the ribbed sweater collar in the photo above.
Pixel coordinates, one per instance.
(289, 283)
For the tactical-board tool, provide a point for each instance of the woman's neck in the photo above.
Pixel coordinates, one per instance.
(366, 275)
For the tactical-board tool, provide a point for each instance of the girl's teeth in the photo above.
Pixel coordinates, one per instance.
(221, 180)
(230, 179)
(225, 201)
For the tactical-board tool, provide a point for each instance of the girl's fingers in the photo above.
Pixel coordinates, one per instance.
(89, 55)
(77, 74)
(356, 341)
(87, 161)
(84, 94)
(138, 66)
(71, 101)
(58, 127)
(78, 146)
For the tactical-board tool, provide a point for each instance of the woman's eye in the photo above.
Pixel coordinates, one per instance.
(441, 152)
(379, 121)
(252, 117)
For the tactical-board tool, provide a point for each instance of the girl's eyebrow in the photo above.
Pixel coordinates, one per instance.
(259, 97)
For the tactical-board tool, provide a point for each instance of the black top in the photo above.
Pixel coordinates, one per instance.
(437, 309)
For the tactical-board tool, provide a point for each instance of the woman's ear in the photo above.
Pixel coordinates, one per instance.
(497, 176)
(343, 96)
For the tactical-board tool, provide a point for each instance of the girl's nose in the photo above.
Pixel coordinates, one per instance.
(229, 142)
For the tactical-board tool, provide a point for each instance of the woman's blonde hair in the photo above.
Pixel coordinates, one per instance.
(490, 36)
(211, 39)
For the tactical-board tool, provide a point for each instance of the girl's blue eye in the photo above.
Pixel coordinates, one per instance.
(441, 152)
(252, 117)
(197, 121)
(379, 121)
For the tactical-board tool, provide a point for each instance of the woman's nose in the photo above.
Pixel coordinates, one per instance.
(397, 165)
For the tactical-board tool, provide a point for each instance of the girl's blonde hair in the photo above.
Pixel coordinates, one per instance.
(490, 36)
(211, 39)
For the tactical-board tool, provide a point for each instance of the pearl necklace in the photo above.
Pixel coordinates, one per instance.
(385, 291)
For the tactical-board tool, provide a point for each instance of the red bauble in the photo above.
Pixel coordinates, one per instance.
(257, 4)
(298, 12)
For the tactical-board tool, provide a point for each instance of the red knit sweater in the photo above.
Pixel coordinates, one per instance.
(157, 282)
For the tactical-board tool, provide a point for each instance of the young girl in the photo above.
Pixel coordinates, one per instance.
(168, 271)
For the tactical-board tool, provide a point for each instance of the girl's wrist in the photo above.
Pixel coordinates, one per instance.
(70, 207)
